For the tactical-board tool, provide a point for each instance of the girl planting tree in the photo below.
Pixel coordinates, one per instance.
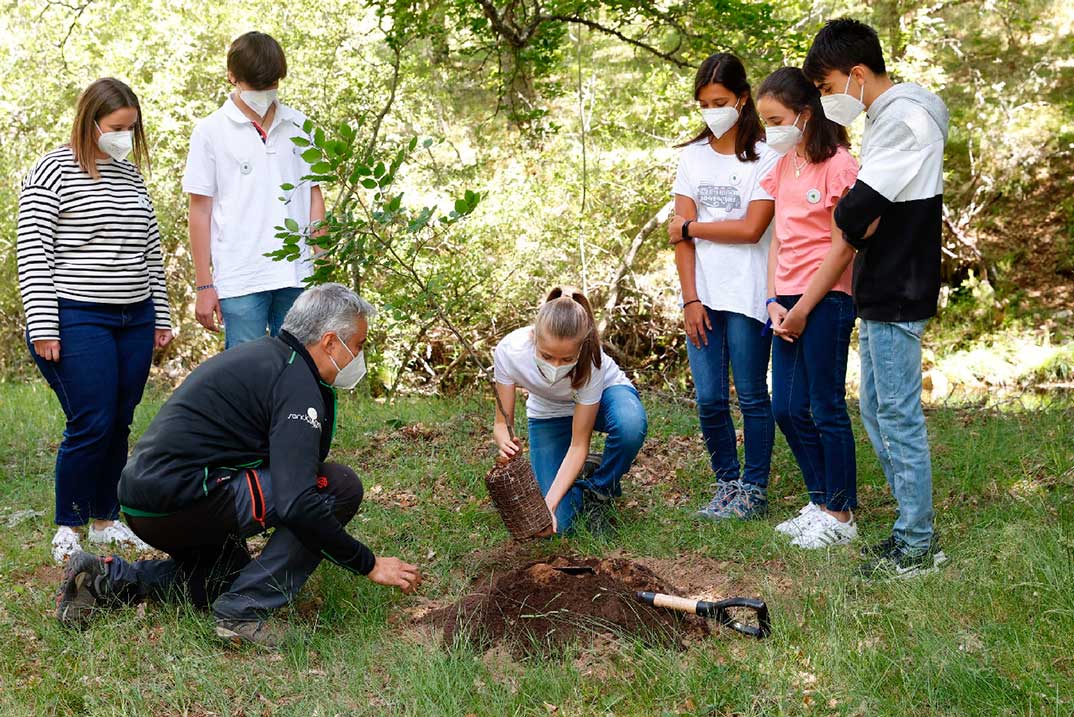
(574, 388)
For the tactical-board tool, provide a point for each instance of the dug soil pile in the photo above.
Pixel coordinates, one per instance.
(540, 608)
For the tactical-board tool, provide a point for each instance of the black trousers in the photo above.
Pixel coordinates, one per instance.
(208, 561)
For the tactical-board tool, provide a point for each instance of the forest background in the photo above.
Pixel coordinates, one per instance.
(548, 128)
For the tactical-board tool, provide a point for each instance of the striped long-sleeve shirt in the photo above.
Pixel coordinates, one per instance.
(85, 239)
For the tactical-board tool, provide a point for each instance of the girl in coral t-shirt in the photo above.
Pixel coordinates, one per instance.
(809, 304)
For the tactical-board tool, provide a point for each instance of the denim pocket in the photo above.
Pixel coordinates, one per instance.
(914, 328)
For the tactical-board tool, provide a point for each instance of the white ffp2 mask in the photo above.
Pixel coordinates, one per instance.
(117, 145)
(553, 373)
(349, 376)
(842, 108)
(259, 100)
(720, 119)
(783, 138)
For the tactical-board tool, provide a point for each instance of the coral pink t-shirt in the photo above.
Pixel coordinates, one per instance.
(803, 220)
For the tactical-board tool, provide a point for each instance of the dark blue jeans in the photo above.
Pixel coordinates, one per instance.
(622, 418)
(735, 342)
(809, 400)
(105, 353)
(247, 317)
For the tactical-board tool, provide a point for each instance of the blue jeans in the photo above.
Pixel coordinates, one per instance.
(622, 417)
(893, 418)
(247, 317)
(105, 353)
(736, 342)
(809, 400)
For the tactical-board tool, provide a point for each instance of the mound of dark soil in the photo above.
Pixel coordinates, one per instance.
(539, 609)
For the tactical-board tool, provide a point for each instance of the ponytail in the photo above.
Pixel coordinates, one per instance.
(566, 314)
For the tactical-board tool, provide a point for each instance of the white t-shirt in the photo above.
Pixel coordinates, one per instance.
(229, 162)
(730, 277)
(516, 363)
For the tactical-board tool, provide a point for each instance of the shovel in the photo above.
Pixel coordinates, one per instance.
(718, 610)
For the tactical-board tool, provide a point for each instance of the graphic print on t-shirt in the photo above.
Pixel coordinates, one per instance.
(719, 196)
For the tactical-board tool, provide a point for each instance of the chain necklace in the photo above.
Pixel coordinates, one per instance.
(798, 169)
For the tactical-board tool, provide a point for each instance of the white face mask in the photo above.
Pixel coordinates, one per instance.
(553, 373)
(783, 138)
(349, 376)
(720, 119)
(259, 100)
(842, 108)
(116, 145)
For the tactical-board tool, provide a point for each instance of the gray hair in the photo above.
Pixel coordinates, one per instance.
(326, 309)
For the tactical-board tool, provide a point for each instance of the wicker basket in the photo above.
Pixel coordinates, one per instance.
(518, 498)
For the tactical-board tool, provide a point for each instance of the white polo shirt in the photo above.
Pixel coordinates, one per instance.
(229, 162)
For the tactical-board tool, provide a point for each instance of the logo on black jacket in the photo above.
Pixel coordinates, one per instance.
(310, 417)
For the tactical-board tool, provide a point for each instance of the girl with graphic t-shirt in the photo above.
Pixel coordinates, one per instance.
(574, 388)
(809, 304)
(721, 235)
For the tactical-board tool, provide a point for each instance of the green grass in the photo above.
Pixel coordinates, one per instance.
(990, 635)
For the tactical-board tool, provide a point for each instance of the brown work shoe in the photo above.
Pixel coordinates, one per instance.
(251, 632)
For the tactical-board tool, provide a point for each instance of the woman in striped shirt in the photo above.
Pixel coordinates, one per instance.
(92, 283)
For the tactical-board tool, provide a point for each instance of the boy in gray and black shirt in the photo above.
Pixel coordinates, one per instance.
(892, 216)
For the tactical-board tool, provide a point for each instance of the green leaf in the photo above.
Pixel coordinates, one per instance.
(311, 155)
(300, 141)
(369, 183)
(427, 143)
(413, 143)
(287, 186)
(460, 206)
(321, 168)
(318, 137)
(307, 126)
(379, 170)
(291, 224)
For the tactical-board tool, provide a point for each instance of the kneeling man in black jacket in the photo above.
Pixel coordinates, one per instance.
(240, 448)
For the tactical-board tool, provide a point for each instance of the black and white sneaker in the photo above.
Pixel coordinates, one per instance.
(81, 592)
(898, 561)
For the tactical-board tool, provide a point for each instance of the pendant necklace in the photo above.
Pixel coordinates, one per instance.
(798, 169)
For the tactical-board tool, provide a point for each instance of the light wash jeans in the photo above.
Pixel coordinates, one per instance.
(622, 417)
(893, 418)
(247, 317)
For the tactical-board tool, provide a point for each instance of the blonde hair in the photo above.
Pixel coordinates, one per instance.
(566, 314)
(100, 99)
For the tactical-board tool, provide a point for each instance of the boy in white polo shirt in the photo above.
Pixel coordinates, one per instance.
(239, 157)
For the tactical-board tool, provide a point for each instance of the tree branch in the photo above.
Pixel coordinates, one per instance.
(593, 25)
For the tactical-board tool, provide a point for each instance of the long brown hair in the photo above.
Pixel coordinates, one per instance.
(725, 69)
(566, 314)
(789, 87)
(100, 99)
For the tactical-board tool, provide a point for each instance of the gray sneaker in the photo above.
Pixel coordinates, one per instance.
(260, 633)
(81, 592)
(751, 501)
(716, 509)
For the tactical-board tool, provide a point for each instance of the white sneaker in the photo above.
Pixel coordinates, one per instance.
(800, 523)
(825, 531)
(119, 534)
(65, 544)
